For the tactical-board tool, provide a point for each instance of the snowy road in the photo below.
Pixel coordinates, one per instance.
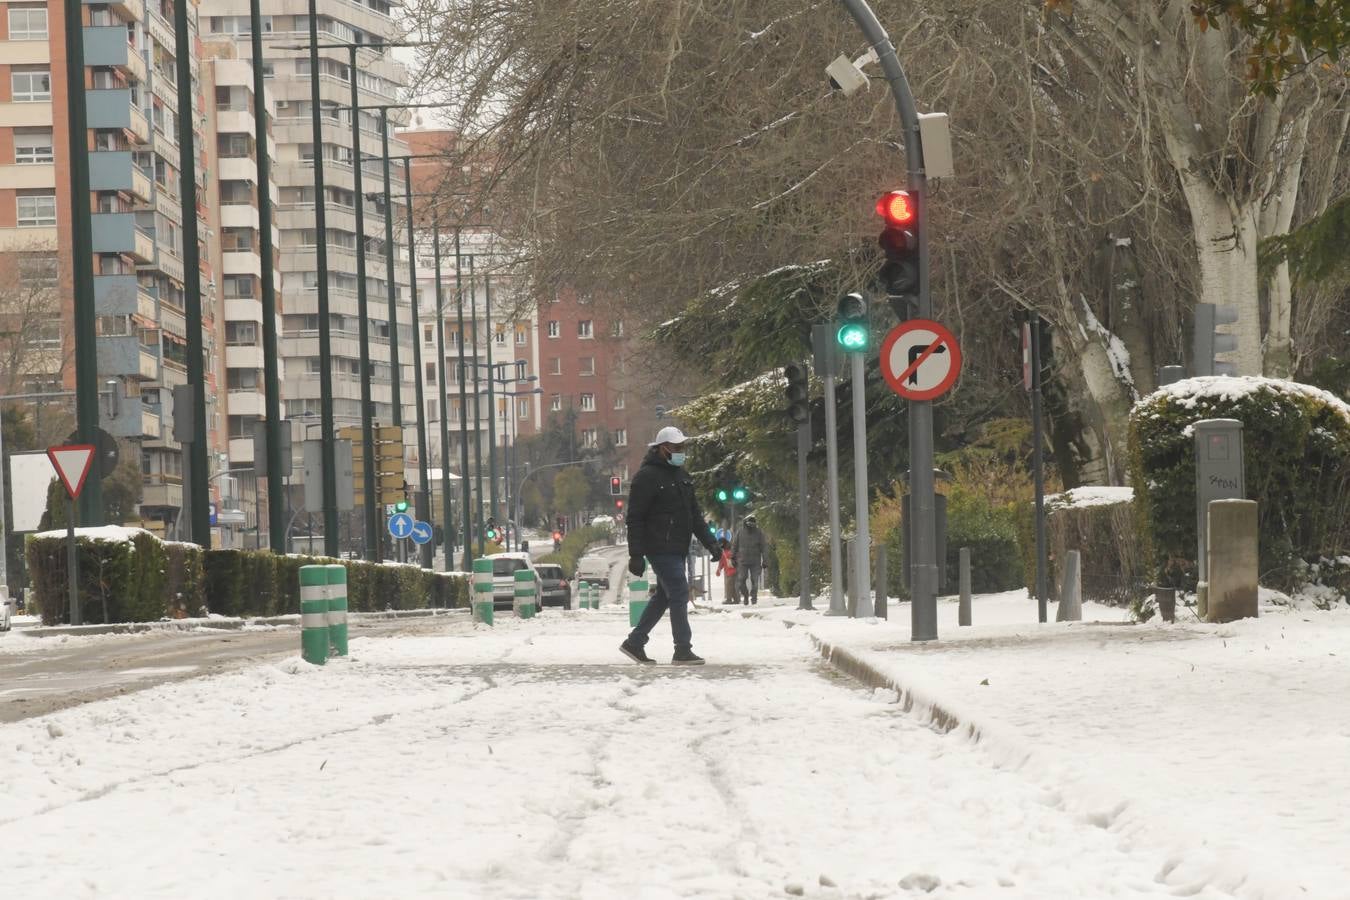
(531, 761)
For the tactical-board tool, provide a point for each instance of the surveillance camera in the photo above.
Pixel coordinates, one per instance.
(847, 75)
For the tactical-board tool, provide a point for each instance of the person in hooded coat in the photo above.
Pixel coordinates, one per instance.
(747, 555)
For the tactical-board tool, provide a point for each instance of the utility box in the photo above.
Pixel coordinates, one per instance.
(260, 448)
(936, 134)
(313, 462)
(1218, 474)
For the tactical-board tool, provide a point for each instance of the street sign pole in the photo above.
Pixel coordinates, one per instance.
(804, 530)
(72, 463)
(1038, 466)
(821, 340)
(862, 569)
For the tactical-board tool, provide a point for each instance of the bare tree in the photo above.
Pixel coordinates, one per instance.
(31, 346)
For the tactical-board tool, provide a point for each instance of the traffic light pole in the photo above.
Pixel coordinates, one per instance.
(428, 554)
(803, 536)
(463, 411)
(492, 399)
(923, 527)
(832, 486)
(862, 569)
(1038, 470)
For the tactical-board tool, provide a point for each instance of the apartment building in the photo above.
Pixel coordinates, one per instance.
(130, 91)
(380, 80)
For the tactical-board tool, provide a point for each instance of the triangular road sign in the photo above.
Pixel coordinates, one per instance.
(72, 462)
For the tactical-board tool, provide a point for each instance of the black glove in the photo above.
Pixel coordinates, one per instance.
(636, 565)
(716, 555)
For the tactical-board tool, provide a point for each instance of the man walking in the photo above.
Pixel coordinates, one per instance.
(747, 555)
(663, 515)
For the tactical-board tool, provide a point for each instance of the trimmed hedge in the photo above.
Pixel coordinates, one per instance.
(1296, 441)
(143, 579)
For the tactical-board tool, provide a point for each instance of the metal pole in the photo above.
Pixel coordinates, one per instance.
(477, 411)
(444, 395)
(276, 496)
(923, 527)
(423, 478)
(4, 520)
(804, 527)
(73, 567)
(192, 278)
(492, 398)
(1038, 469)
(369, 465)
(463, 415)
(862, 546)
(395, 376)
(832, 485)
(963, 611)
(329, 436)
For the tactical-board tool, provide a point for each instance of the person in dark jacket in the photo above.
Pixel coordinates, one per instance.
(663, 515)
(747, 555)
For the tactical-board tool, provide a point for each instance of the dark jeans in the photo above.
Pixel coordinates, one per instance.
(747, 581)
(672, 592)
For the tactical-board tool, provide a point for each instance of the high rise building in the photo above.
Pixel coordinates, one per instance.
(380, 79)
(130, 91)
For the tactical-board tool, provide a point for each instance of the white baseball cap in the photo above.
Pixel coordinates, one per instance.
(669, 435)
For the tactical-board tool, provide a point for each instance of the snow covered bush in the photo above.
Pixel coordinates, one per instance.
(1296, 445)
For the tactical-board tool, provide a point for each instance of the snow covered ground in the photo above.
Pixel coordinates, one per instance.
(1223, 745)
(532, 761)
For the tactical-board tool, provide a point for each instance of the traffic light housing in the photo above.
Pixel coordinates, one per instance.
(615, 485)
(899, 240)
(851, 329)
(797, 391)
(1209, 342)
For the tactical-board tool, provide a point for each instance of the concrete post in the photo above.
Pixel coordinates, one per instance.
(482, 590)
(337, 609)
(314, 614)
(963, 613)
(1071, 590)
(1232, 560)
(851, 583)
(525, 600)
(637, 600)
(881, 580)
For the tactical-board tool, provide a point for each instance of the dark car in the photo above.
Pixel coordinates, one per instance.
(553, 587)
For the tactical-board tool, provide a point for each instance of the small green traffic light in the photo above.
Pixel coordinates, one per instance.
(852, 336)
(401, 506)
(492, 534)
(739, 494)
(722, 495)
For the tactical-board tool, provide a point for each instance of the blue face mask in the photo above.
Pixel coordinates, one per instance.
(677, 459)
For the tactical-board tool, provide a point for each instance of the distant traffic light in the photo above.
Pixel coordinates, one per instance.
(615, 485)
(740, 494)
(401, 506)
(851, 323)
(618, 504)
(723, 495)
(899, 240)
(796, 391)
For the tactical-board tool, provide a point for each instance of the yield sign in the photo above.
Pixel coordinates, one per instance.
(920, 359)
(72, 463)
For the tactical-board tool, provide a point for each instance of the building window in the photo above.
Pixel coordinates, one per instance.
(590, 438)
(428, 335)
(522, 337)
(585, 329)
(238, 287)
(588, 403)
(30, 85)
(27, 23)
(618, 400)
(555, 366)
(241, 334)
(36, 209)
(621, 437)
(587, 365)
(33, 145)
(500, 336)
(555, 403)
(616, 330)
(522, 409)
(554, 328)
(431, 373)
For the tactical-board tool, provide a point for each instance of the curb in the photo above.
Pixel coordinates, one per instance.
(222, 624)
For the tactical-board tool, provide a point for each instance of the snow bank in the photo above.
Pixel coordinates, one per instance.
(115, 534)
(1187, 391)
(1093, 495)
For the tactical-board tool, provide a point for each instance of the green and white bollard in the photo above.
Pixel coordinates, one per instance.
(337, 609)
(527, 601)
(314, 614)
(637, 600)
(595, 595)
(583, 597)
(482, 591)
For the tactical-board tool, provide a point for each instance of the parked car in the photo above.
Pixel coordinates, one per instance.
(504, 569)
(594, 569)
(553, 587)
(6, 610)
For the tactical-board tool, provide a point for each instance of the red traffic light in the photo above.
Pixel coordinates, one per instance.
(557, 535)
(898, 209)
(618, 504)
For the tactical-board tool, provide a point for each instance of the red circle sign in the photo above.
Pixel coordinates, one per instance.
(920, 359)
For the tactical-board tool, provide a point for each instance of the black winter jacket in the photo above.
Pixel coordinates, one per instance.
(663, 513)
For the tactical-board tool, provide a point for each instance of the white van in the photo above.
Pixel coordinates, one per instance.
(594, 569)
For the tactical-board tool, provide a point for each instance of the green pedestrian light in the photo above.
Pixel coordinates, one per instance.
(722, 495)
(852, 336)
(401, 506)
(851, 319)
(740, 495)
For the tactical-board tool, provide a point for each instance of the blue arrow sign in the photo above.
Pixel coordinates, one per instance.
(400, 525)
(421, 533)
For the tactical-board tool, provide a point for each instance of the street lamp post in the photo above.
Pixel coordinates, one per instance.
(463, 408)
(423, 481)
(492, 400)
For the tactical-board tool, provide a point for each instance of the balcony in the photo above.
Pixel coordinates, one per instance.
(243, 309)
(172, 320)
(150, 423)
(169, 263)
(125, 355)
(241, 450)
(112, 108)
(117, 233)
(244, 357)
(242, 263)
(113, 170)
(122, 295)
(131, 10)
(162, 495)
(106, 45)
(239, 215)
(245, 403)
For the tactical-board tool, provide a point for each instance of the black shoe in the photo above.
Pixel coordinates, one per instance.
(636, 654)
(754, 601)
(686, 658)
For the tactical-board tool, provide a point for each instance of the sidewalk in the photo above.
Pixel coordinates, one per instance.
(1226, 746)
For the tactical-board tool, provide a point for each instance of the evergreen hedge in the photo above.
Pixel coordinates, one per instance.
(144, 579)
(1296, 445)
